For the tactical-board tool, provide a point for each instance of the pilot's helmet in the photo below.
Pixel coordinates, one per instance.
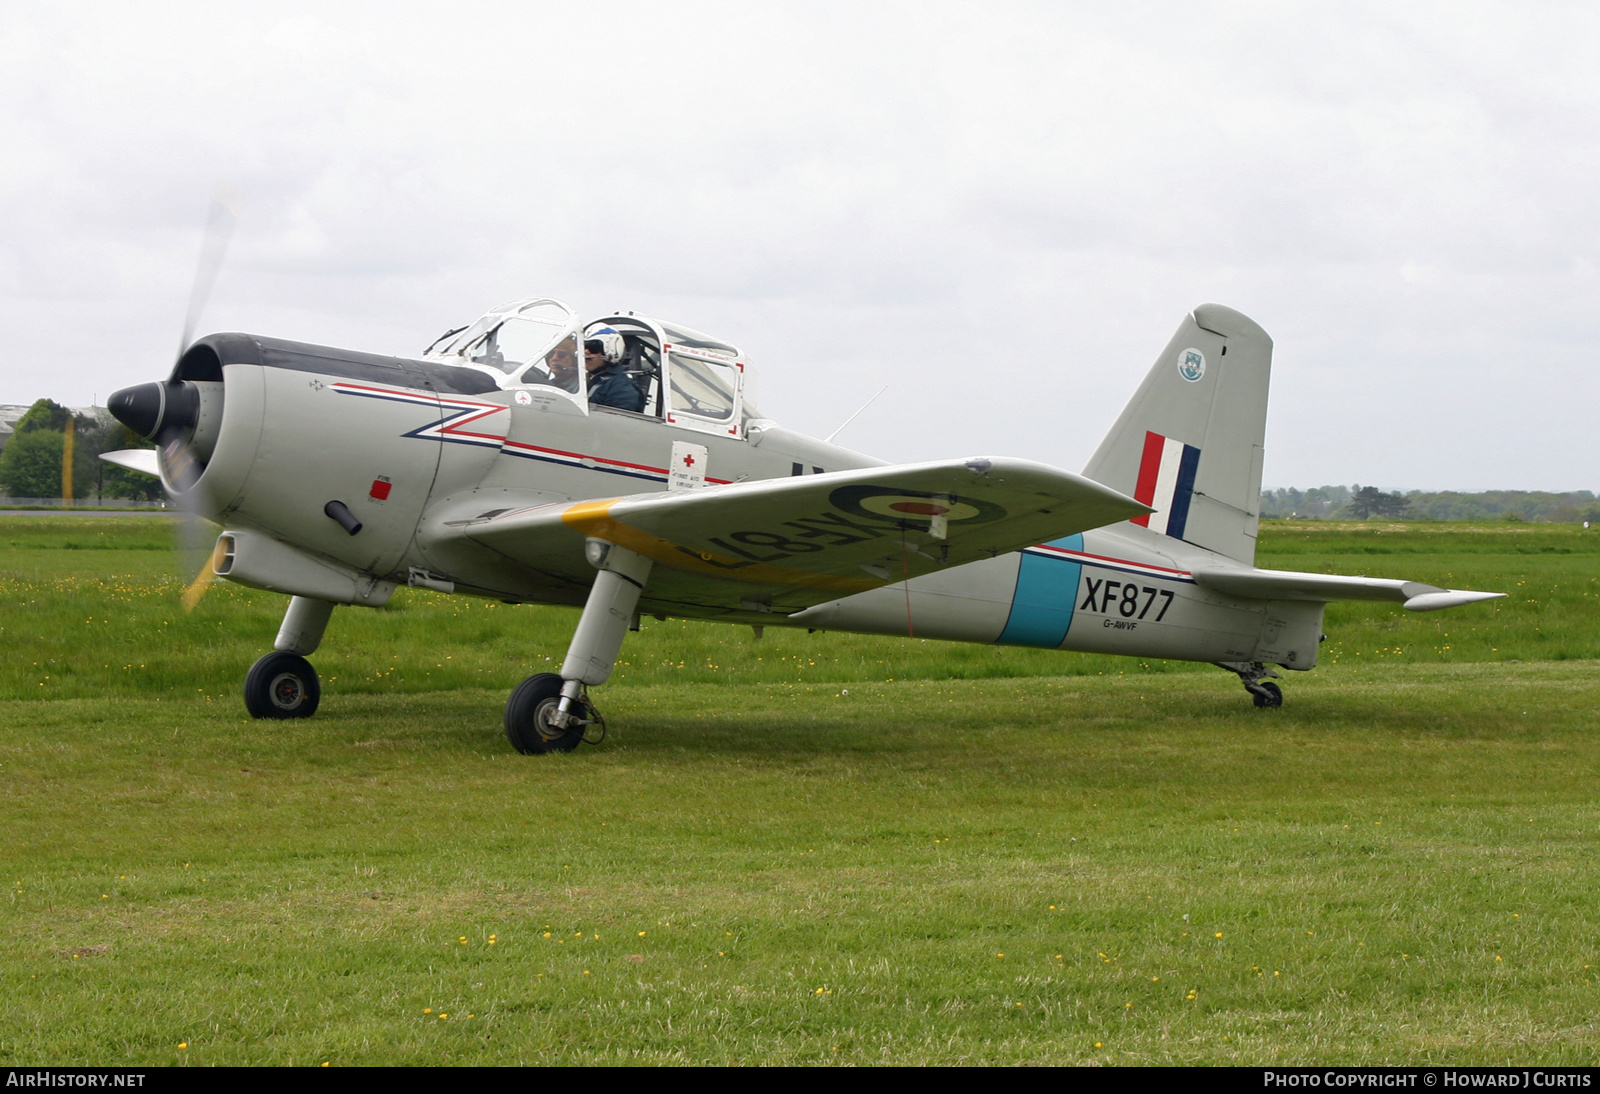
(606, 342)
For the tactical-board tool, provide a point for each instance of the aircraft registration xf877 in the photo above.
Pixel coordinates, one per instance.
(493, 465)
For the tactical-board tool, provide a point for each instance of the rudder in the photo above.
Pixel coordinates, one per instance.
(1190, 442)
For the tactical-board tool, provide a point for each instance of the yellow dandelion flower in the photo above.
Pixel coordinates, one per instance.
(1097, 1044)
(443, 1016)
(183, 1044)
(641, 934)
(427, 1010)
(1219, 934)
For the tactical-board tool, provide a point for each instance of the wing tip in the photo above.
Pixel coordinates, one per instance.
(1448, 598)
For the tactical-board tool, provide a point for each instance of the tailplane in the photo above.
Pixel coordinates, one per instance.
(1189, 445)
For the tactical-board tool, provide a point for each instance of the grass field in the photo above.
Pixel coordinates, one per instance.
(807, 849)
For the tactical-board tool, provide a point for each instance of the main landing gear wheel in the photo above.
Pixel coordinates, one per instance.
(1267, 695)
(528, 714)
(282, 685)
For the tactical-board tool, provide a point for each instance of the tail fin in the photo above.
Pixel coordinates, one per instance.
(1190, 443)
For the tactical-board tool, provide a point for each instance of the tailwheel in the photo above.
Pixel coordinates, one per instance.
(1253, 675)
(529, 717)
(1267, 695)
(282, 685)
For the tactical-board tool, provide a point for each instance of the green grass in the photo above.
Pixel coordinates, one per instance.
(1400, 863)
(1550, 571)
(93, 602)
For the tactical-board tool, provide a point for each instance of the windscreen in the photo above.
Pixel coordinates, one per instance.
(702, 388)
(514, 343)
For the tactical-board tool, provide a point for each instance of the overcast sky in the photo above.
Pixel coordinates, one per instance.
(1002, 211)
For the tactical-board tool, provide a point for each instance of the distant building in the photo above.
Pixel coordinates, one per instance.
(9, 416)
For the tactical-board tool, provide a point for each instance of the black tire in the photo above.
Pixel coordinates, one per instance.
(282, 685)
(1270, 697)
(527, 717)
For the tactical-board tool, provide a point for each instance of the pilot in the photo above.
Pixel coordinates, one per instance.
(609, 382)
(562, 365)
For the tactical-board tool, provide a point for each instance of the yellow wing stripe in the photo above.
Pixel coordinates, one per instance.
(593, 518)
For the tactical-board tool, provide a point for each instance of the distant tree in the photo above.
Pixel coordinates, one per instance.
(46, 414)
(1392, 505)
(1571, 506)
(1369, 501)
(30, 467)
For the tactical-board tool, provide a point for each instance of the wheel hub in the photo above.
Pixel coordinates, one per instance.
(287, 690)
(541, 719)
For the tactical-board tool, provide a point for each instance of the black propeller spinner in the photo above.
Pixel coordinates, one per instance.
(157, 409)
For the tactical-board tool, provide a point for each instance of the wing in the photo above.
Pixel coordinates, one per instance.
(785, 544)
(1287, 585)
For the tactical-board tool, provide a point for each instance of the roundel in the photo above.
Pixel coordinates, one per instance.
(897, 504)
(1191, 365)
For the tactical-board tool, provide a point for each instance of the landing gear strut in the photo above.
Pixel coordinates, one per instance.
(1253, 674)
(283, 684)
(551, 713)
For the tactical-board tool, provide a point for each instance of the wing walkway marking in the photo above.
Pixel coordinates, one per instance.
(593, 518)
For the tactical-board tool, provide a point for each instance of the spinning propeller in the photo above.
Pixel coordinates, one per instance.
(181, 415)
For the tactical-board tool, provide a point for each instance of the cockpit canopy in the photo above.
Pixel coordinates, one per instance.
(660, 370)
